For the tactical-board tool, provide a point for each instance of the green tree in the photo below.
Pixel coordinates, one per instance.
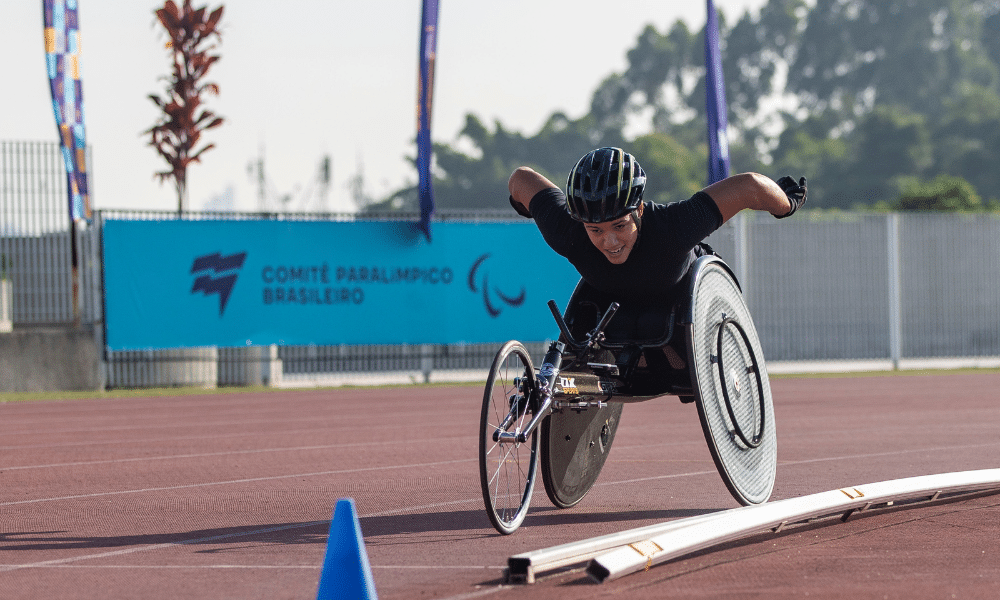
(911, 53)
(991, 37)
(943, 193)
(479, 180)
(966, 141)
(807, 148)
(906, 85)
(890, 143)
(673, 172)
(757, 50)
(860, 96)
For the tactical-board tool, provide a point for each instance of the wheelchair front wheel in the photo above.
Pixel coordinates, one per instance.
(507, 467)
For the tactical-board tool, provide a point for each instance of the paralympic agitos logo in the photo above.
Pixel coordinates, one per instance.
(221, 277)
(488, 292)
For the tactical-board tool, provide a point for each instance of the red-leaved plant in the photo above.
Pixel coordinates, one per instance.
(176, 134)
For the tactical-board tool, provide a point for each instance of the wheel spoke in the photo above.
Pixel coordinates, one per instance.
(500, 463)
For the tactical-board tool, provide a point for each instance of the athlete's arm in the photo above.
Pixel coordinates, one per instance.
(753, 191)
(524, 183)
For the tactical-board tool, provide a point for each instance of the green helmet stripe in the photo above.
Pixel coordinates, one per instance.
(621, 169)
(570, 185)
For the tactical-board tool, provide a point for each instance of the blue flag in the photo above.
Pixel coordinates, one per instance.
(425, 93)
(62, 60)
(715, 101)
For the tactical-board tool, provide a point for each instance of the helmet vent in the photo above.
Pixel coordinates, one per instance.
(607, 183)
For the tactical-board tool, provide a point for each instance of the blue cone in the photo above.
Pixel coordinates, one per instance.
(347, 575)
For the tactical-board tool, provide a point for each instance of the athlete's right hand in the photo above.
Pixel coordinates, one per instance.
(519, 208)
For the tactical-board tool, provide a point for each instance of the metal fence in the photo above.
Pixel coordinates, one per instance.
(292, 366)
(821, 287)
(35, 239)
(848, 286)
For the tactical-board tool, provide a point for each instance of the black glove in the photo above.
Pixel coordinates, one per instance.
(796, 193)
(520, 208)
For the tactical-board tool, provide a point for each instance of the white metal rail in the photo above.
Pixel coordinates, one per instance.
(613, 556)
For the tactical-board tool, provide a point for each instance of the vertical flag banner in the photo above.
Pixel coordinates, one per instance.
(62, 58)
(715, 91)
(425, 93)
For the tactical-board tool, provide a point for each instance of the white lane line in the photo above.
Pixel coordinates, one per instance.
(483, 592)
(620, 449)
(890, 453)
(64, 566)
(383, 443)
(209, 539)
(322, 430)
(62, 561)
(441, 567)
(153, 407)
(344, 471)
(171, 457)
(236, 481)
(161, 439)
(399, 511)
(333, 420)
(167, 426)
(208, 454)
(782, 463)
(401, 412)
(656, 477)
(272, 567)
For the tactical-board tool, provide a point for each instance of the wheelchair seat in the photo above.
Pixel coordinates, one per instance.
(644, 323)
(643, 339)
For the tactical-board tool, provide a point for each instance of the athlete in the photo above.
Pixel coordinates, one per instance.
(630, 251)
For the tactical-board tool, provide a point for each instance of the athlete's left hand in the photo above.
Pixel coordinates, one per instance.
(795, 192)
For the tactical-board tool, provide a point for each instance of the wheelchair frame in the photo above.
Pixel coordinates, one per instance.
(571, 405)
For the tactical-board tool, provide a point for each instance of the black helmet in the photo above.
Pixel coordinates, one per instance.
(605, 184)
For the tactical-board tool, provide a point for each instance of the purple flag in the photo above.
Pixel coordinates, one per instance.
(425, 94)
(62, 59)
(715, 101)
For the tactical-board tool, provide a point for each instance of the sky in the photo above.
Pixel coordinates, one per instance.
(304, 79)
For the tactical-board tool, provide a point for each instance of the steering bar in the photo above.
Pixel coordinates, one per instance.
(593, 337)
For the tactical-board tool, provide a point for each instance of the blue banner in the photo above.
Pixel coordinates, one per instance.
(715, 90)
(425, 95)
(172, 284)
(62, 60)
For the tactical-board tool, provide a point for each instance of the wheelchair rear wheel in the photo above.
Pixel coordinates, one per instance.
(507, 468)
(731, 385)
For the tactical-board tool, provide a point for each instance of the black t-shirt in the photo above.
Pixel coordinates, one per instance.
(659, 259)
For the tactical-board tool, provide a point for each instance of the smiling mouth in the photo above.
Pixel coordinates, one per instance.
(616, 252)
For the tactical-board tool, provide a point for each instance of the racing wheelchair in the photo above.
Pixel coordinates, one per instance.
(564, 415)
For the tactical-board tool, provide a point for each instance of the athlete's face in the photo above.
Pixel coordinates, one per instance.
(614, 239)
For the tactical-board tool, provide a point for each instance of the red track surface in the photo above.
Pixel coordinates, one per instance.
(230, 496)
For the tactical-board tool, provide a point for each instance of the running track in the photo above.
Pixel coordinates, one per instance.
(230, 496)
